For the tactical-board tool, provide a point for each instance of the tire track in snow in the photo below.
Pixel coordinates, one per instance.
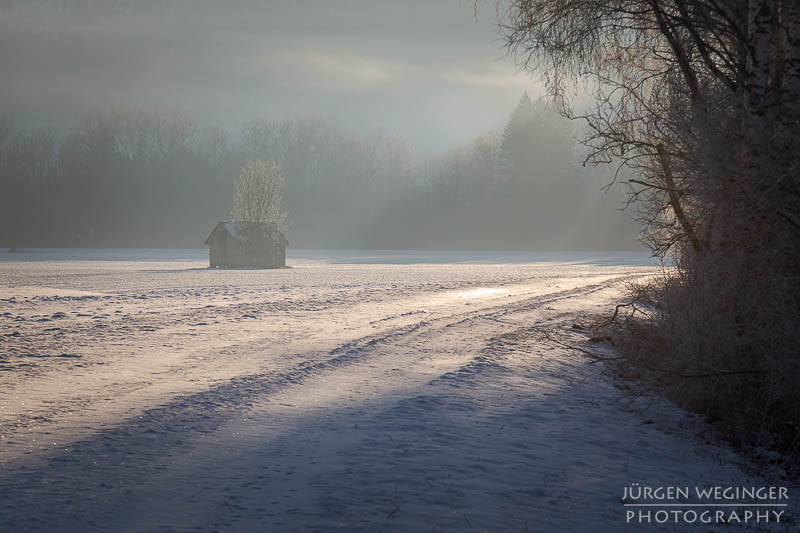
(152, 442)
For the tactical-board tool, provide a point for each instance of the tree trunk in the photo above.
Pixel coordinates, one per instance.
(674, 201)
(761, 22)
(791, 77)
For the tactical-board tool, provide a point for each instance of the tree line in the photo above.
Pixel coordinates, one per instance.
(699, 102)
(140, 178)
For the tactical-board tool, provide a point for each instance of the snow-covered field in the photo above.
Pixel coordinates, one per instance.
(354, 391)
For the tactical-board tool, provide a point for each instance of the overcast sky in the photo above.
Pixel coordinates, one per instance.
(427, 69)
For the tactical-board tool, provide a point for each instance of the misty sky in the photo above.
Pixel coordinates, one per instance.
(427, 69)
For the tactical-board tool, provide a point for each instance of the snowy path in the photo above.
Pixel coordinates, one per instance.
(394, 404)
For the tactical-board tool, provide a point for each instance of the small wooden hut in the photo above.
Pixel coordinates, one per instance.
(235, 243)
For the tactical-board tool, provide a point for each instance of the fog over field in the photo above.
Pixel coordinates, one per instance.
(413, 67)
(398, 126)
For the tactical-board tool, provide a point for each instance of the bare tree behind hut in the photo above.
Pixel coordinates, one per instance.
(257, 193)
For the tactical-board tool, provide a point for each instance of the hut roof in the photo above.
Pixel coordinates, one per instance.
(242, 230)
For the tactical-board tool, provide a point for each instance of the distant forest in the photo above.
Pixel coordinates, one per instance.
(140, 178)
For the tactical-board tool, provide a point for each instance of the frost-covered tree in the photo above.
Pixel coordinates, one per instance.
(699, 100)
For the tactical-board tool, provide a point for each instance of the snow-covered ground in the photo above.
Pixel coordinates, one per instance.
(354, 391)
